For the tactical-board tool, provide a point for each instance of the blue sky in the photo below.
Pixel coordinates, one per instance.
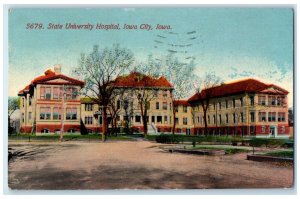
(232, 42)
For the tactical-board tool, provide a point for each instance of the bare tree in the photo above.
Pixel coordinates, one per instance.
(182, 76)
(13, 104)
(99, 70)
(208, 83)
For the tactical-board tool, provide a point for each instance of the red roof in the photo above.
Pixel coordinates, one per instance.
(181, 102)
(136, 79)
(243, 86)
(50, 75)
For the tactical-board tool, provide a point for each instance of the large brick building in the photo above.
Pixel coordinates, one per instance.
(43, 107)
(246, 108)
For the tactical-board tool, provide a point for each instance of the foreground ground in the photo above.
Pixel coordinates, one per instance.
(134, 165)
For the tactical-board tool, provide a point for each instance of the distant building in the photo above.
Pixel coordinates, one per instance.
(183, 117)
(43, 106)
(244, 108)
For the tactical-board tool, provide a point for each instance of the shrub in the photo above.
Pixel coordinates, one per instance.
(164, 138)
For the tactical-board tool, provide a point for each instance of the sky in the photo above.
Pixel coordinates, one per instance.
(233, 43)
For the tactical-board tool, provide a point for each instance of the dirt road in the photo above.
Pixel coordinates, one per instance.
(134, 165)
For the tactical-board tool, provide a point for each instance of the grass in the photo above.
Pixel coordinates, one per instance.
(283, 154)
(228, 150)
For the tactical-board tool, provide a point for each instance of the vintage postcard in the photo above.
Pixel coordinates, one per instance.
(115, 98)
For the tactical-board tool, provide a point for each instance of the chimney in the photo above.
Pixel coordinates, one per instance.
(57, 69)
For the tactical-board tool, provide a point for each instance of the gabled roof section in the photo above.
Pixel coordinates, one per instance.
(243, 86)
(136, 79)
(181, 103)
(50, 75)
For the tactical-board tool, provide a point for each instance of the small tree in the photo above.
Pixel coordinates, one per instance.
(99, 70)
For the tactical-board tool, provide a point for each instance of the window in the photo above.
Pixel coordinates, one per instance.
(272, 116)
(185, 109)
(226, 118)
(159, 119)
(176, 109)
(233, 116)
(89, 131)
(252, 100)
(157, 105)
(56, 93)
(220, 105)
(208, 119)
(283, 129)
(280, 101)
(45, 131)
(233, 103)
(71, 114)
(72, 131)
(23, 101)
(45, 113)
(220, 119)
(137, 118)
(214, 106)
(214, 119)
(30, 99)
(88, 107)
(23, 119)
(71, 93)
(29, 116)
(176, 120)
(262, 100)
(252, 116)
(88, 120)
(166, 119)
(165, 105)
(241, 101)
(48, 93)
(185, 120)
(165, 94)
(272, 100)
(155, 93)
(42, 92)
(281, 117)
(226, 104)
(262, 116)
(263, 129)
(56, 113)
(242, 117)
(153, 119)
(198, 120)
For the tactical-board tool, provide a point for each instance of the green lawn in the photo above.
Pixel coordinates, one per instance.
(284, 154)
(228, 150)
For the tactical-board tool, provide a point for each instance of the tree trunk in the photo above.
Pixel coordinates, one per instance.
(105, 124)
(205, 123)
(144, 118)
(174, 122)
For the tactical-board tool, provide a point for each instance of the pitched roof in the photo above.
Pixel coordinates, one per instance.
(181, 103)
(136, 79)
(50, 75)
(243, 86)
